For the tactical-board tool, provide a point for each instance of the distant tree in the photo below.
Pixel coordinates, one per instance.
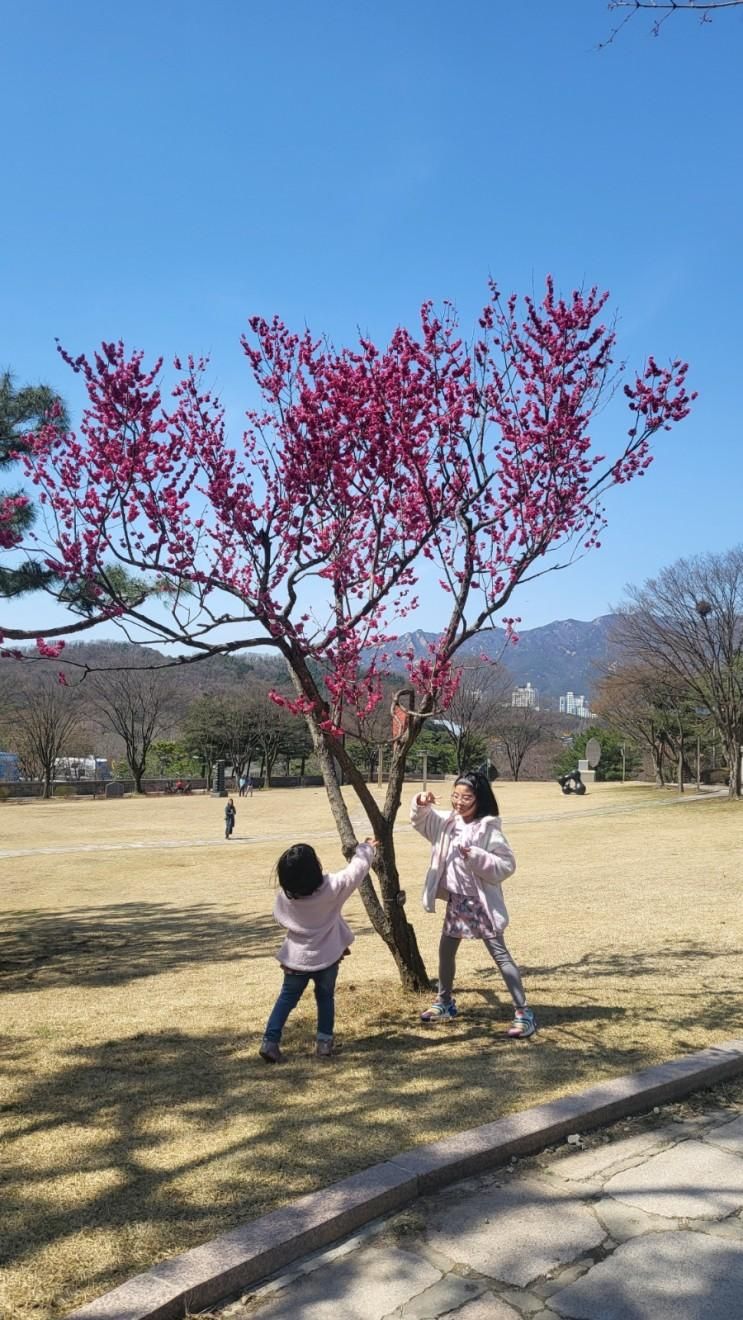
(688, 622)
(483, 689)
(296, 746)
(646, 708)
(274, 730)
(134, 704)
(43, 722)
(436, 742)
(519, 728)
(236, 729)
(204, 731)
(170, 757)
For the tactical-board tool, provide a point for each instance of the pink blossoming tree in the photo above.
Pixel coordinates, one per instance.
(309, 535)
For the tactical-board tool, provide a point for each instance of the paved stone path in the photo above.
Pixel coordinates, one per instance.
(642, 1222)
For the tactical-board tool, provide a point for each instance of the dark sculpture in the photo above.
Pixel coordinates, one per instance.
(571, 783)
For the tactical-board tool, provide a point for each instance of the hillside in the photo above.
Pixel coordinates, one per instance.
(563, 656)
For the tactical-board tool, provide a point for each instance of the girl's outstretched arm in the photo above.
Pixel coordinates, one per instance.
(425, 818)
(358, 868)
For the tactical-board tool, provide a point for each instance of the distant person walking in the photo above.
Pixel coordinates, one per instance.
(230, 814)
(470, 859)
(308, 906)
(241, 786)
(249, 787)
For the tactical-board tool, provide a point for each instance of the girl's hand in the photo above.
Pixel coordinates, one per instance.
(374, 842)
(425, 799)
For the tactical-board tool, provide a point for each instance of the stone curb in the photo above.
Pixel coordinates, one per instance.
(232, 1262)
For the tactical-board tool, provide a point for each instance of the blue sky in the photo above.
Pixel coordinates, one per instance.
(172, 168)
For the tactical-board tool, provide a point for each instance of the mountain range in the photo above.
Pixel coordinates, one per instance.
(566, 656)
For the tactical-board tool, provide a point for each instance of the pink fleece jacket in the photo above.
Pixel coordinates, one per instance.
(317, 935)
(490, 859)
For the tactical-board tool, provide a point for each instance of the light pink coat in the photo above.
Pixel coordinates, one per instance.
(490, 859)
(317, 935)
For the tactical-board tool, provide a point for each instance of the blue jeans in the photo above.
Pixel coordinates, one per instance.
(295, 984)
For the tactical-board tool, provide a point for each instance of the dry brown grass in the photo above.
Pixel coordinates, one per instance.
(137, 1119)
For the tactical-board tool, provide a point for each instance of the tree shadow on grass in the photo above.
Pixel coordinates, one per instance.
(116, 943)
(609, 962)
(160, 1119)
(682, 1005)
(185, 1134)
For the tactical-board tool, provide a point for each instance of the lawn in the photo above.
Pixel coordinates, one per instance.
(137, 1119)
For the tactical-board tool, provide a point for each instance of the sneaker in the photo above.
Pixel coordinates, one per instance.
(439, 1011)
(524, 1024)
(270, 1052)
(325, 1049)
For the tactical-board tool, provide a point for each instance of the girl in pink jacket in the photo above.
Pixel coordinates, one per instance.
(308, 906)
(470, 859)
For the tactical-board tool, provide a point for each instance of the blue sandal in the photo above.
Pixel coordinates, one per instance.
(440, 1011)
(524, 1024)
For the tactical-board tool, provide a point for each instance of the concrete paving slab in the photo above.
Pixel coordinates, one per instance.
(690, 1181)
(367, 1285)
(729, 1228)
(729, 1136)
(625, 1221)
(487, 1307)
(664, 1276)
(694, 1126)
(526, 1303)
(592, 1163)
(443, 1298)
(516, 1232)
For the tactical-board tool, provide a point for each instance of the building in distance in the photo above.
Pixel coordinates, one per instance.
(525, 696)
(575, 704)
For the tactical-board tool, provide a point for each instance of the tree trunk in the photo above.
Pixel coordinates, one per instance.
(398, 934)
(388, 916)
(733, 755)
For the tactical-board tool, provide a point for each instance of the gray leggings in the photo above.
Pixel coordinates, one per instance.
(496, 947)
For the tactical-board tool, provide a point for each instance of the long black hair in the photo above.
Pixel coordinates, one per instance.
(486, 804)
(298, 871)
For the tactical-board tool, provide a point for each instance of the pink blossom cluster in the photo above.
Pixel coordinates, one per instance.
(10, 507)
(49, 650)
(359, 465)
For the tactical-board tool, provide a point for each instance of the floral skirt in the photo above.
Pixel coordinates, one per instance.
(467, 919)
